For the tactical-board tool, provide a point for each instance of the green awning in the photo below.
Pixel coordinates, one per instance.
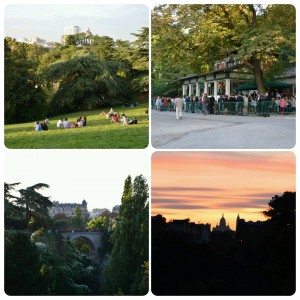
(270, 84)
(278, 84)
(246, 87)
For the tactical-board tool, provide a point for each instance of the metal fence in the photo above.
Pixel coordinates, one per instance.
(232, 108)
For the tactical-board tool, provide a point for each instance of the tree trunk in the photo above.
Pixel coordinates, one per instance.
(258, 75)
(256, 63)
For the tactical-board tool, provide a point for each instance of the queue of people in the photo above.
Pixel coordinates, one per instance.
(261, 104)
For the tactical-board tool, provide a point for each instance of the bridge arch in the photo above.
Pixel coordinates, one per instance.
(87, 241)
(93, 239)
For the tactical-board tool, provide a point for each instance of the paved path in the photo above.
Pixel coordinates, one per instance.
(198, 131)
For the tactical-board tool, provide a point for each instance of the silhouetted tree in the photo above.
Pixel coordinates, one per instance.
(34, 202)
(11, 211)
(282, 208)
(263, 262)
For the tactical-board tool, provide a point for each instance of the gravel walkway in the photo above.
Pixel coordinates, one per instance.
(198, 131)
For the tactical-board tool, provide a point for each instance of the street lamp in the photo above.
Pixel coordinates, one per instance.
(230, 62)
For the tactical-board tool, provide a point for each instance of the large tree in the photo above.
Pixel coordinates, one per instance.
(82, 82)
(24, 99)
(282, 209)
(191, 38)
(11, 210)
(35, 204)
(128, 261)
(103, 47)
(78, 220)
(140, 61)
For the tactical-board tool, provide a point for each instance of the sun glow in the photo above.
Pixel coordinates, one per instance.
(203, 185)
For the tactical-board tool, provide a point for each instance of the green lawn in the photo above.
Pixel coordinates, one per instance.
(99, 133)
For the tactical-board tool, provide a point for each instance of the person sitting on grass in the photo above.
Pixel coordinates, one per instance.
(133, 121)
(111, 113)
(38, 126)
(80, 122)
(73, 125)
(124, 120)
(60, 124)
(84, 120)
(66, 123)
(47, 121)
(114, 119)
(44, 126)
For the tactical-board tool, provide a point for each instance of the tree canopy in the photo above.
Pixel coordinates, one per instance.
(188, 39)
(73, 76)
(26, 207)
(127, 272)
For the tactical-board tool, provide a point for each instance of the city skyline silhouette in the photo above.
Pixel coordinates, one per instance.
(202, 186)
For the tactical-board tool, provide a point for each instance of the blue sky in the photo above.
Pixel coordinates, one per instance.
(48, 21)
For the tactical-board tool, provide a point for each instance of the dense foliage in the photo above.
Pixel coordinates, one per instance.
(39, 261)
(43, 82)
(188, 39)
(34, 268)
(28, 209)
(262, 262)
(127, 271)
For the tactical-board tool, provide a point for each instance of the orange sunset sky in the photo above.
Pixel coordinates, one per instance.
(203, 185)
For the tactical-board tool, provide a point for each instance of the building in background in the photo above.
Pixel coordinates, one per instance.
(67, 208)
(200, 233)
(68, 30)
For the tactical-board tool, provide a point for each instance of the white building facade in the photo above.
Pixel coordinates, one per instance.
(71, 30)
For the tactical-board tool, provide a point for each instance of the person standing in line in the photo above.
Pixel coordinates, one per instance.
(205, 102)
(240, 103)
(178, 103)
(283, 103)
(158, 103)
(212, 101)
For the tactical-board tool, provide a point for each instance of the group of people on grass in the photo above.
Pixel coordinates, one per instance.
(61, 123)
(80, 122)
(115, 117)
(43, 125)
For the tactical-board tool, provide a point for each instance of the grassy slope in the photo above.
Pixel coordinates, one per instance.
(99, 133)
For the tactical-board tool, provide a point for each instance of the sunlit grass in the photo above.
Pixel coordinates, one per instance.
(99, 133)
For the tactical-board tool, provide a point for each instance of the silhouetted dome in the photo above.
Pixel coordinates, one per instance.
(222, 222)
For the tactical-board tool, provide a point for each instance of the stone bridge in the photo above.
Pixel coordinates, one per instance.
(94, 239)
